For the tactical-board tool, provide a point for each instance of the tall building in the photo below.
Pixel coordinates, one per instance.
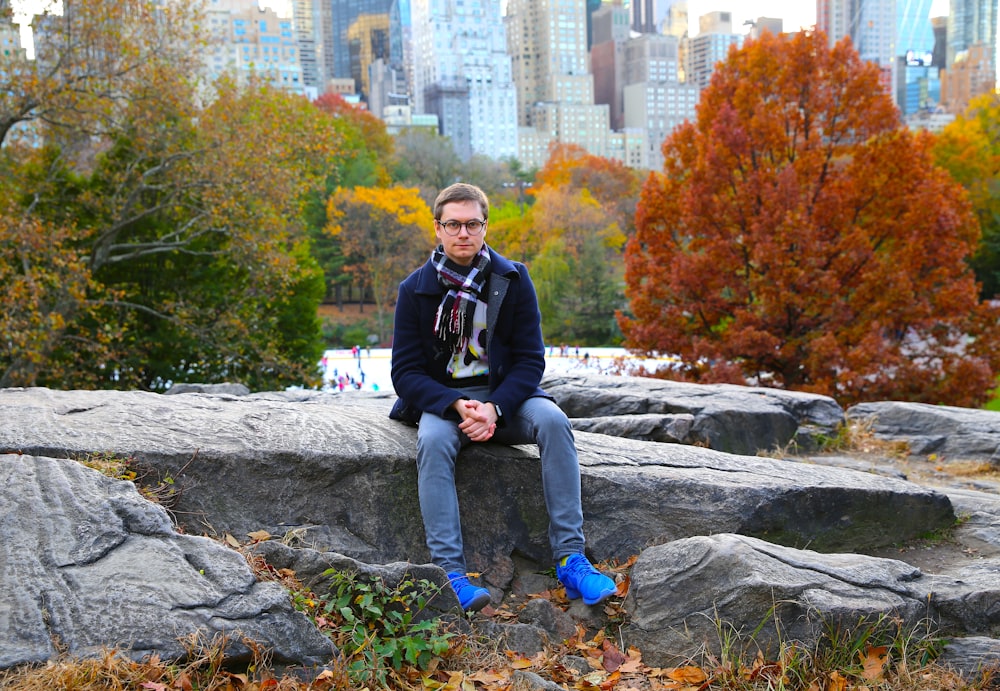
(306, 23)
(972, 74)
(368, 41)
(547, 43)
(970, 23)
(462, 74)
(250, 40)
(675, 21)
(643, 16)
(656, 101)
(607, 59)
(871, 26)
(336, 18)
(710, 47)
(917, 82)
(546, 40)
(401, 42)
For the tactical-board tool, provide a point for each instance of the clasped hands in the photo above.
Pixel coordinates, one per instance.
(479, 420)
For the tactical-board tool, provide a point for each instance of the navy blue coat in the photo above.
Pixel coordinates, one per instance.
(514, 342)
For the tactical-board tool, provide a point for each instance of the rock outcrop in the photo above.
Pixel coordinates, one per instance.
(945, 431)
(724, 417)
(86, 562)
(334, 478)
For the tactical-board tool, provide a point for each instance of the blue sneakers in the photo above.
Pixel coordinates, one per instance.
(579, 577)
(471, 597)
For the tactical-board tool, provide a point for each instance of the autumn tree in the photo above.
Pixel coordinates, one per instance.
(799, 237)
(171, 226)
(572, 237)
(969, 148)
(386, 233)
(367, 150)
(367, 145)
(611, 183)
(577, 271)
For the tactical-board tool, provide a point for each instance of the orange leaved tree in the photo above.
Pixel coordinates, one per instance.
(799, 237)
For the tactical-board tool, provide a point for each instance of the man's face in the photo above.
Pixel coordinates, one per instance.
(462, 247)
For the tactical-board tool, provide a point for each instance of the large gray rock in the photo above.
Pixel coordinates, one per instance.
(332, 472)
(683, 594)
(725, 417)
(340, 475)
(949, 432)
(86, 563)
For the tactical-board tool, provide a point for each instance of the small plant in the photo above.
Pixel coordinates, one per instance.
(111, 465)
(377, 627)
(858, 436)
(162, 491)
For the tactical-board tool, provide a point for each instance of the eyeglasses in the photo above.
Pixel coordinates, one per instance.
(474, 227)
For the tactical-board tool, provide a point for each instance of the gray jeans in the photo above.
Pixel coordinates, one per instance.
(537, 421)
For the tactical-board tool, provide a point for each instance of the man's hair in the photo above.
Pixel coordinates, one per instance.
(461, 192)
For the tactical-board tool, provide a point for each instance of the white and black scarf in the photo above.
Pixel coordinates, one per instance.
(453, 321)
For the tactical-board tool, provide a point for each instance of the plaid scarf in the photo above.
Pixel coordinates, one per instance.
(453, 321)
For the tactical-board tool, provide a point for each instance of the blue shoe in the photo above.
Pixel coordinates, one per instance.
(579, 577)
(471, 597)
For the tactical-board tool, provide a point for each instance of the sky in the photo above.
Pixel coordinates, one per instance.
(795, 13)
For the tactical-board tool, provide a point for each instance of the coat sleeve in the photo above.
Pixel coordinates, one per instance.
(415, 387)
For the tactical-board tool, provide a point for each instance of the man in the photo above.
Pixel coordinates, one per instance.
(467, 359)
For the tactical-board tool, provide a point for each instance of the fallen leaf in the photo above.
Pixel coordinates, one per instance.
(874, 661)
(836, 682)
(232, 541)
(612, 658)
(488, 676)
(631, 666)
(689, 674)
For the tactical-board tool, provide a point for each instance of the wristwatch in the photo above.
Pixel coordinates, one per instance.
(496, 406)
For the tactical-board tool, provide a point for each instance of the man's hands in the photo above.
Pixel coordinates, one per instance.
(479, 420)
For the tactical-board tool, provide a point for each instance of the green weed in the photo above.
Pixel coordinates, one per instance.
(378, 628)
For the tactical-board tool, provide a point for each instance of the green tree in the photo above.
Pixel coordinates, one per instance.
(176, 225)
(425, 160)
(969, 148)
(800, 236)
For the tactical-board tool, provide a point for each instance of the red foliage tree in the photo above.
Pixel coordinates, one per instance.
(800, 238)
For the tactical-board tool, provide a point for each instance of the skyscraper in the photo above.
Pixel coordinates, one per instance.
(711, 46)
(462, 74)
(971, 22)
(336, 18)
(655, 100)
(305, 21)
(250, 40)
(871, 26)
(547, 41)
(917, 82)
(971, 53)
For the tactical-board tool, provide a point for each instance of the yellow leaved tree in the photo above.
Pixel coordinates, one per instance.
(385, 234)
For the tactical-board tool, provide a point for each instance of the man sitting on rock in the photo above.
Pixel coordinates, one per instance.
(467, 359)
